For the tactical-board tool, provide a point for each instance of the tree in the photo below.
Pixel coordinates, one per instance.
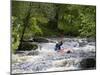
(88, 21)
(34, 19)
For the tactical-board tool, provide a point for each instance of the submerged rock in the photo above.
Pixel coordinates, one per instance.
(33, 53)
(91, 39)
(82, 44)
(88, 63)
(60, 63)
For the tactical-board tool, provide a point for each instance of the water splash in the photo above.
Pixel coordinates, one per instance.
(49, 60)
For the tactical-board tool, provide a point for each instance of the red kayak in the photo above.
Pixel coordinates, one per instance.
(65, 50)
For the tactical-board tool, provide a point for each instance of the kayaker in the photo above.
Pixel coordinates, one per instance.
(58, 46)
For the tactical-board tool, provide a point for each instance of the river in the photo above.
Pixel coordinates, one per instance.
(46, 59)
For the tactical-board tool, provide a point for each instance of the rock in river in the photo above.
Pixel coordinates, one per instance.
(40, 40)
(28, 46)
(88, 63)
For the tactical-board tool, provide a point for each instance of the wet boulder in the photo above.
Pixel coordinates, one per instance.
(40, 40)
(88, 63)
(33, 53)
(92, 43)
(91, 39)
(28, 46)
(60, 63)
(82, 44)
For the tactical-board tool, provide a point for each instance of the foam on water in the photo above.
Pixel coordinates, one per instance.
(50, 60)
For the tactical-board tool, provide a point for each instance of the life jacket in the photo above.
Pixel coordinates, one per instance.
(59, 44)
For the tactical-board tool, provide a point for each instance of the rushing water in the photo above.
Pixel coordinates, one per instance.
(46, 59)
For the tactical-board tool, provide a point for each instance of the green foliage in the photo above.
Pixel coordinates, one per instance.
(48, 19)
(16, 28)
(69, 20)
(34, 28)
(88, 23)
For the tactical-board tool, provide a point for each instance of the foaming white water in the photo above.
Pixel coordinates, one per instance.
(48, 59)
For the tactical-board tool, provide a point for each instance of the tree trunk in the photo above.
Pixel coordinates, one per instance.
(26, 22)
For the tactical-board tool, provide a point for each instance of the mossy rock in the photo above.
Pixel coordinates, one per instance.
(28, 46)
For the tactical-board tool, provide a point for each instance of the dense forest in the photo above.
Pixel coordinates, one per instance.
(36, 19)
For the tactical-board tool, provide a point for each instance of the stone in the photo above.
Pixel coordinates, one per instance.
(33, 53)
(40, 40)
(28, 46)
(88, 63)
